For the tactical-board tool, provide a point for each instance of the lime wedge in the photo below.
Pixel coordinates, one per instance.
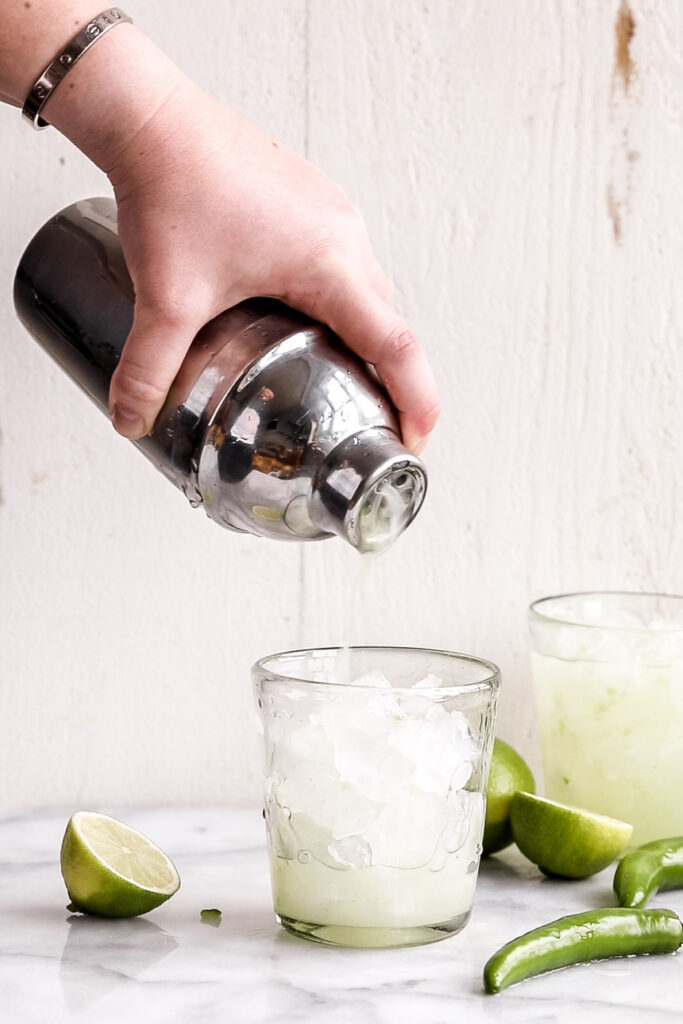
(509, 773)
(566, 841)
(112, 870)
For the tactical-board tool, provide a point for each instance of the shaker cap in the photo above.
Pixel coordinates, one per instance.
(369, 489)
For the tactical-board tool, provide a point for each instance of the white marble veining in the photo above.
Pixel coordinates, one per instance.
(170, 967)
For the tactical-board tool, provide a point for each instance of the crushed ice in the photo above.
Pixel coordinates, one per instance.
(374, 779)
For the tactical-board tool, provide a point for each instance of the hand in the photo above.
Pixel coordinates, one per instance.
(211, 212)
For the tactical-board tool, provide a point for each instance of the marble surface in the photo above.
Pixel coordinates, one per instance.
(171, 967)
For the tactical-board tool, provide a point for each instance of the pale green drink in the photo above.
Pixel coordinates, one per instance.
(608, 680)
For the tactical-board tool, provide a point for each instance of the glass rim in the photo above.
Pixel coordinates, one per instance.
(566, 621)
(491, 682)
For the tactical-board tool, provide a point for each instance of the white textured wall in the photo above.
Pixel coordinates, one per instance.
(521, 180)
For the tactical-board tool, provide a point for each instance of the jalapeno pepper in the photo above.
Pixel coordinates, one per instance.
(643, 871)
(592, 935)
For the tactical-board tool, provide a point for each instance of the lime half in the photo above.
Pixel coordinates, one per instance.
(112, 870)
(566, 841)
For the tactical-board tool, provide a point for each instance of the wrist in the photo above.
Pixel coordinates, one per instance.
(31, 35)
(112, 93)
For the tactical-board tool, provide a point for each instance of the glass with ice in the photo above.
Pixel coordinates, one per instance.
(376, 762)
(607, 671)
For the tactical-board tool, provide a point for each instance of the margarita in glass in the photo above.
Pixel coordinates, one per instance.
(607, 672)
(374, 793)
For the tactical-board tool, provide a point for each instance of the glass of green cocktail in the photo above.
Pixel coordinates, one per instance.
(607, 672)
(376, 763)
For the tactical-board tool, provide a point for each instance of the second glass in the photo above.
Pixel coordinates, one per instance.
(376, 767)
(607, 671)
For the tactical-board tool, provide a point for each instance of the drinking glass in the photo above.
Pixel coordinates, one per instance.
(607, 672)
(376, 764)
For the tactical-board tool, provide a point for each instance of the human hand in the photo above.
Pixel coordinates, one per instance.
(211, 212)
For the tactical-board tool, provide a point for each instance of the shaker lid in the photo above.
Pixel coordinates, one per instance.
(369, 489)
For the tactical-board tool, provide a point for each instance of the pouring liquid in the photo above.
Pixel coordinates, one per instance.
(381, 522)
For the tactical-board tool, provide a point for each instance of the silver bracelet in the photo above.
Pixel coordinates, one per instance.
(56, 70)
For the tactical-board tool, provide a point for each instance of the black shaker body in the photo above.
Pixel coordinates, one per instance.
(73, 293)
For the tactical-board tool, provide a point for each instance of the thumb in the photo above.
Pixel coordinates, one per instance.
(151, 358)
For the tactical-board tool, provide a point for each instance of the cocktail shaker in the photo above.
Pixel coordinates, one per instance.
(272, 424)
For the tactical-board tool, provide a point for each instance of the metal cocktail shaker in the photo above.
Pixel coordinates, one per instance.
(271, 424)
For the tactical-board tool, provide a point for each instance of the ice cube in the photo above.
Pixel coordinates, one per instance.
(309, 837)
(331, 831)
(306, 743)
(306, 785)
(407, 830)
(374, 769)
(436, 746)
(351, 852)
(348, 812)
(352, 709)
(430, 682)
(465, 820)
(374, 678)
(461, 775)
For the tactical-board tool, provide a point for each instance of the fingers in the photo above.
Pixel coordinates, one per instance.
(362, 317)
(373, 329)
(151, 358)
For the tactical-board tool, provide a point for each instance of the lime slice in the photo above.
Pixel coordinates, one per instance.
(566, 841)
(509, 772)
(112, 870)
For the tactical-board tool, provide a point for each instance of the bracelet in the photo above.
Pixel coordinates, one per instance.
(56, 70)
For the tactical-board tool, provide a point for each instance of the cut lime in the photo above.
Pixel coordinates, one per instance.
(509, 773)
(212, 917)
(566, 841)
(112, 870)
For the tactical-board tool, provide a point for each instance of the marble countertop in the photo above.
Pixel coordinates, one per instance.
(170, 967)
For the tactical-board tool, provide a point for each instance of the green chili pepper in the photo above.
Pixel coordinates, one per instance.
(643, 871)
(593, 935)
